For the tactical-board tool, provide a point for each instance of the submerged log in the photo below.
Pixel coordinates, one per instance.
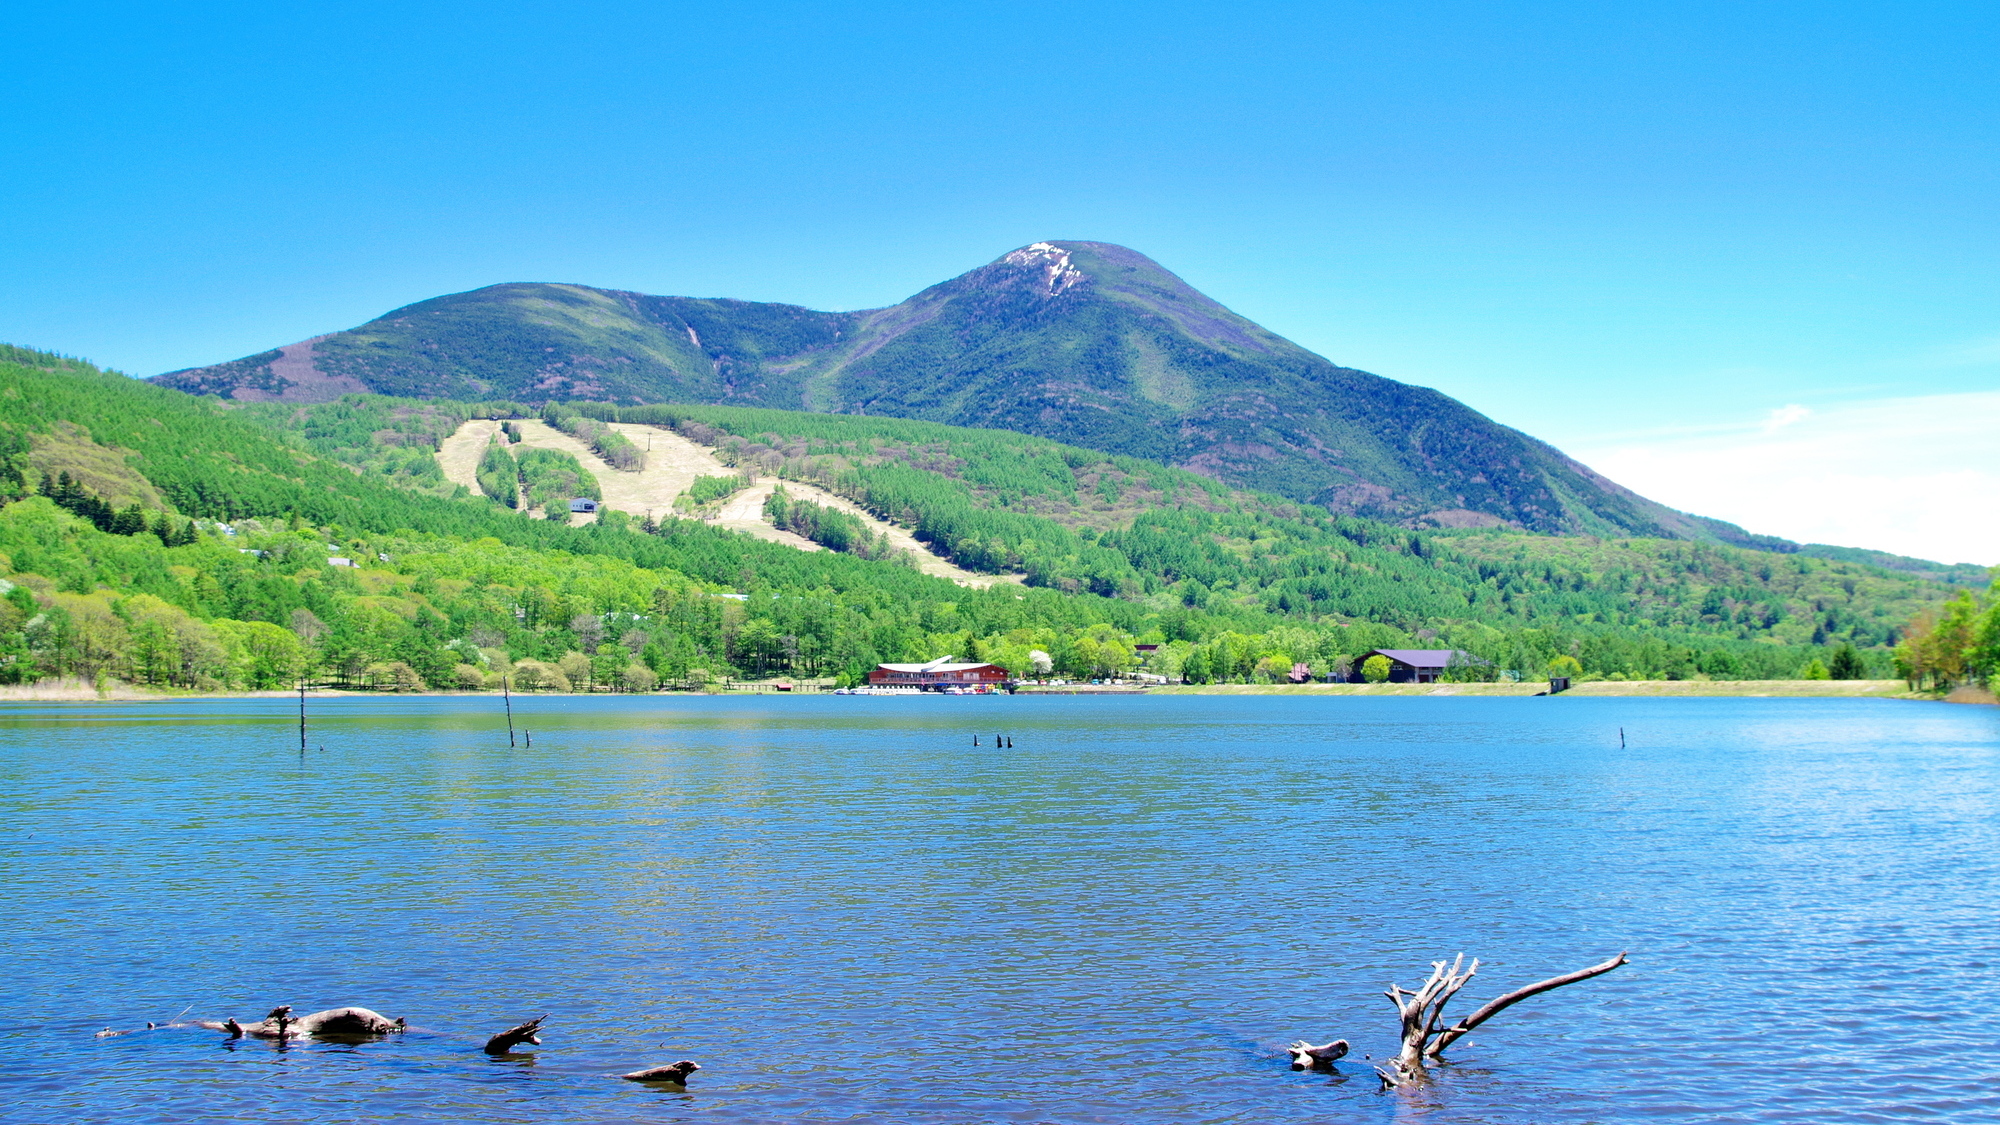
(108, 1033)
(673, 1073)
(348, 1022)
(520, 1033)
(333, 1023)
(276, 1025)
(1305, 1056)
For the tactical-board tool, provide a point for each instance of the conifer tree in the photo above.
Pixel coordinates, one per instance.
(1846, 664)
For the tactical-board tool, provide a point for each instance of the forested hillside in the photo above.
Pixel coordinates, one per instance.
(1074, 519)
(139, 516)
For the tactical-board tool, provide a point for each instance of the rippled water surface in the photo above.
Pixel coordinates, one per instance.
(846, 912)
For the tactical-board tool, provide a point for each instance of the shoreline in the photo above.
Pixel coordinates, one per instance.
(116, 692)
(1749, 689)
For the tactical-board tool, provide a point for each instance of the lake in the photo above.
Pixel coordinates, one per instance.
(845, 911)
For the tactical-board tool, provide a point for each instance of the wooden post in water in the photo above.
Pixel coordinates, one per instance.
(302, 715)
(508, 696)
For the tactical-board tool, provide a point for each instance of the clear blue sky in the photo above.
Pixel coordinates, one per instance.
(1591, 221)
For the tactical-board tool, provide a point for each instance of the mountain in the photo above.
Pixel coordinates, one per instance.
(1082, 342)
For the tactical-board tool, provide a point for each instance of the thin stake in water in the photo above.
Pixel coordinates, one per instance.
(302, 716)
(508, 697)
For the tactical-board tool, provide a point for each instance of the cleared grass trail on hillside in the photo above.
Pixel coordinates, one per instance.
(745, 512)
(672, 464)
(460, 453)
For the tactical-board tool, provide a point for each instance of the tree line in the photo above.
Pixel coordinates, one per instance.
(267, 605)
(1953, 644)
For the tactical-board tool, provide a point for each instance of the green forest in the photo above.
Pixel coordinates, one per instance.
(830, 528)
(549, 479)
(189, 544)
(1953, 644)
(705, 491)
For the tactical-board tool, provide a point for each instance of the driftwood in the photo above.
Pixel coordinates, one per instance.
(1422, 1010)
(333, 1023)
(1305, 1056)
(674, 1073)
(277, 1024)
(520, 1033)
(336, 1022)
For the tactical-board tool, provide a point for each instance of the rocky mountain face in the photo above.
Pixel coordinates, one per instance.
(1083, 342)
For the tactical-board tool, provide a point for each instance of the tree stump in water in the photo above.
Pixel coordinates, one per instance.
(1422, 1010)
(520, 1033)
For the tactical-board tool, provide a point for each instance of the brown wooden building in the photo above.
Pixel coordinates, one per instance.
(938, 673)
(1418, 665)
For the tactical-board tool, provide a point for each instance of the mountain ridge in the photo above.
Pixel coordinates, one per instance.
(1083, 342)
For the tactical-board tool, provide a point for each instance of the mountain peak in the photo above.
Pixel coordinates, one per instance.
(1050, 261)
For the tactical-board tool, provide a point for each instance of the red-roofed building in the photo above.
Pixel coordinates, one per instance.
(936, 674)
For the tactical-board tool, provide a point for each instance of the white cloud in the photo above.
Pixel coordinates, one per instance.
(1917, 476)
(1785, 416)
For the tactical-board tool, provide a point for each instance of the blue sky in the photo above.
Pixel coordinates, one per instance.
(1642, 233)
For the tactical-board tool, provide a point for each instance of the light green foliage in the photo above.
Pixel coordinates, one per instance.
(263, 655)
(396, 438)
(1954, 644)
(1983, 656)
(1375, 669)
(500, 475)
(705, 490)
(1565, 665)
(1814, 670)
(830, 528)
(550, 479)
(616, 449)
